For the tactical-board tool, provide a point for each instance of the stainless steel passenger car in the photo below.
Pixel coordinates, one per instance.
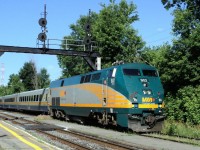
(31, 100)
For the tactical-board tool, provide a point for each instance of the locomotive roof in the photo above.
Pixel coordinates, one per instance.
(76, 79)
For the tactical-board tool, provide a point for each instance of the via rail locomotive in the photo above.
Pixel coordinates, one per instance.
(127, 95)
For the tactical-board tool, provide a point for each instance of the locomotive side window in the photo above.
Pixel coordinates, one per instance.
(132, 72)
(62, 83)
(151, 73)
(87, 78)
(110, 73)
(96, 76)
(82, 79)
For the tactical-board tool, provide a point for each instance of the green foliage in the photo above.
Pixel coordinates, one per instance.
(43, 78)
(4, 90)
(15, 85)
(27, 79)
(156, 56)
(185, 106)
(174, 128)
(112, 30)
(182, 66)
(76, 65)
(28, 75)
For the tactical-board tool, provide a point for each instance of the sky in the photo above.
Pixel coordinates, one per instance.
(19, 27)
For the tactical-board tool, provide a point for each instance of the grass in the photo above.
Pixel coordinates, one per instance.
(179, 129)
(179, 132)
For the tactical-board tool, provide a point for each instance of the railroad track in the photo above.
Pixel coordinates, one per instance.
(73, 139)
(91, 142)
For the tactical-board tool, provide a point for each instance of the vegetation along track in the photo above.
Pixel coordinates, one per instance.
(73, 139)
(180, 139)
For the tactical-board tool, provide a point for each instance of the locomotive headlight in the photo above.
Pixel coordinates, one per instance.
(145, 92)
(149, 92)
(134, 99)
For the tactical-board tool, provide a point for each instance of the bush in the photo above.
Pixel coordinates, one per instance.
(184, 106)
(173, 128)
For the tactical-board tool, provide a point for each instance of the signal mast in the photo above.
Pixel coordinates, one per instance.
(43, 22)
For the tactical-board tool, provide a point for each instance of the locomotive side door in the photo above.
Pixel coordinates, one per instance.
(108, 81)
(104, 92)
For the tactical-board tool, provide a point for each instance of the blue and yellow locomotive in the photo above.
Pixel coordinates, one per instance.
(127, 95)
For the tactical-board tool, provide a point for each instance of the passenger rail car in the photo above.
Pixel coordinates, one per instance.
(128, 95)
(35, 100)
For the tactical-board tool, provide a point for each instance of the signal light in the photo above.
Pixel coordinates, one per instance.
(42, 37)
(87, 27)
(42, 22)
(87, 40)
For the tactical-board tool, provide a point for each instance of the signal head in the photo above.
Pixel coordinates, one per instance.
(42, 22)
(87, 27)
(42, 37)
(87, 40)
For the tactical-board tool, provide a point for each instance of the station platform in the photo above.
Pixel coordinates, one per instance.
(13, 138)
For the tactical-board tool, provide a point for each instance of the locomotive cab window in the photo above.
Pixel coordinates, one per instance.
(151, 73)
(131, 72)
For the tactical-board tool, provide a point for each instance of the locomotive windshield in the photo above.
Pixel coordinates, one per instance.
(151, 73)
(132, 72)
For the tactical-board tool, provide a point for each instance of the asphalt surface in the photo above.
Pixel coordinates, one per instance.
(12, 138)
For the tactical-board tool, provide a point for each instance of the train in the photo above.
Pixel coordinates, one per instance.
(126, 95)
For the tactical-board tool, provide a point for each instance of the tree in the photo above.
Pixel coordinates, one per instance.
(15, 84)
(43, 78)
(28, 75)
(156, 55)
(112, 30)
(76, 65)
(4, 90)
(184, 56)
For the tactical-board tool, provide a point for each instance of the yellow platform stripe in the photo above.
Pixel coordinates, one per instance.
(21, 138)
